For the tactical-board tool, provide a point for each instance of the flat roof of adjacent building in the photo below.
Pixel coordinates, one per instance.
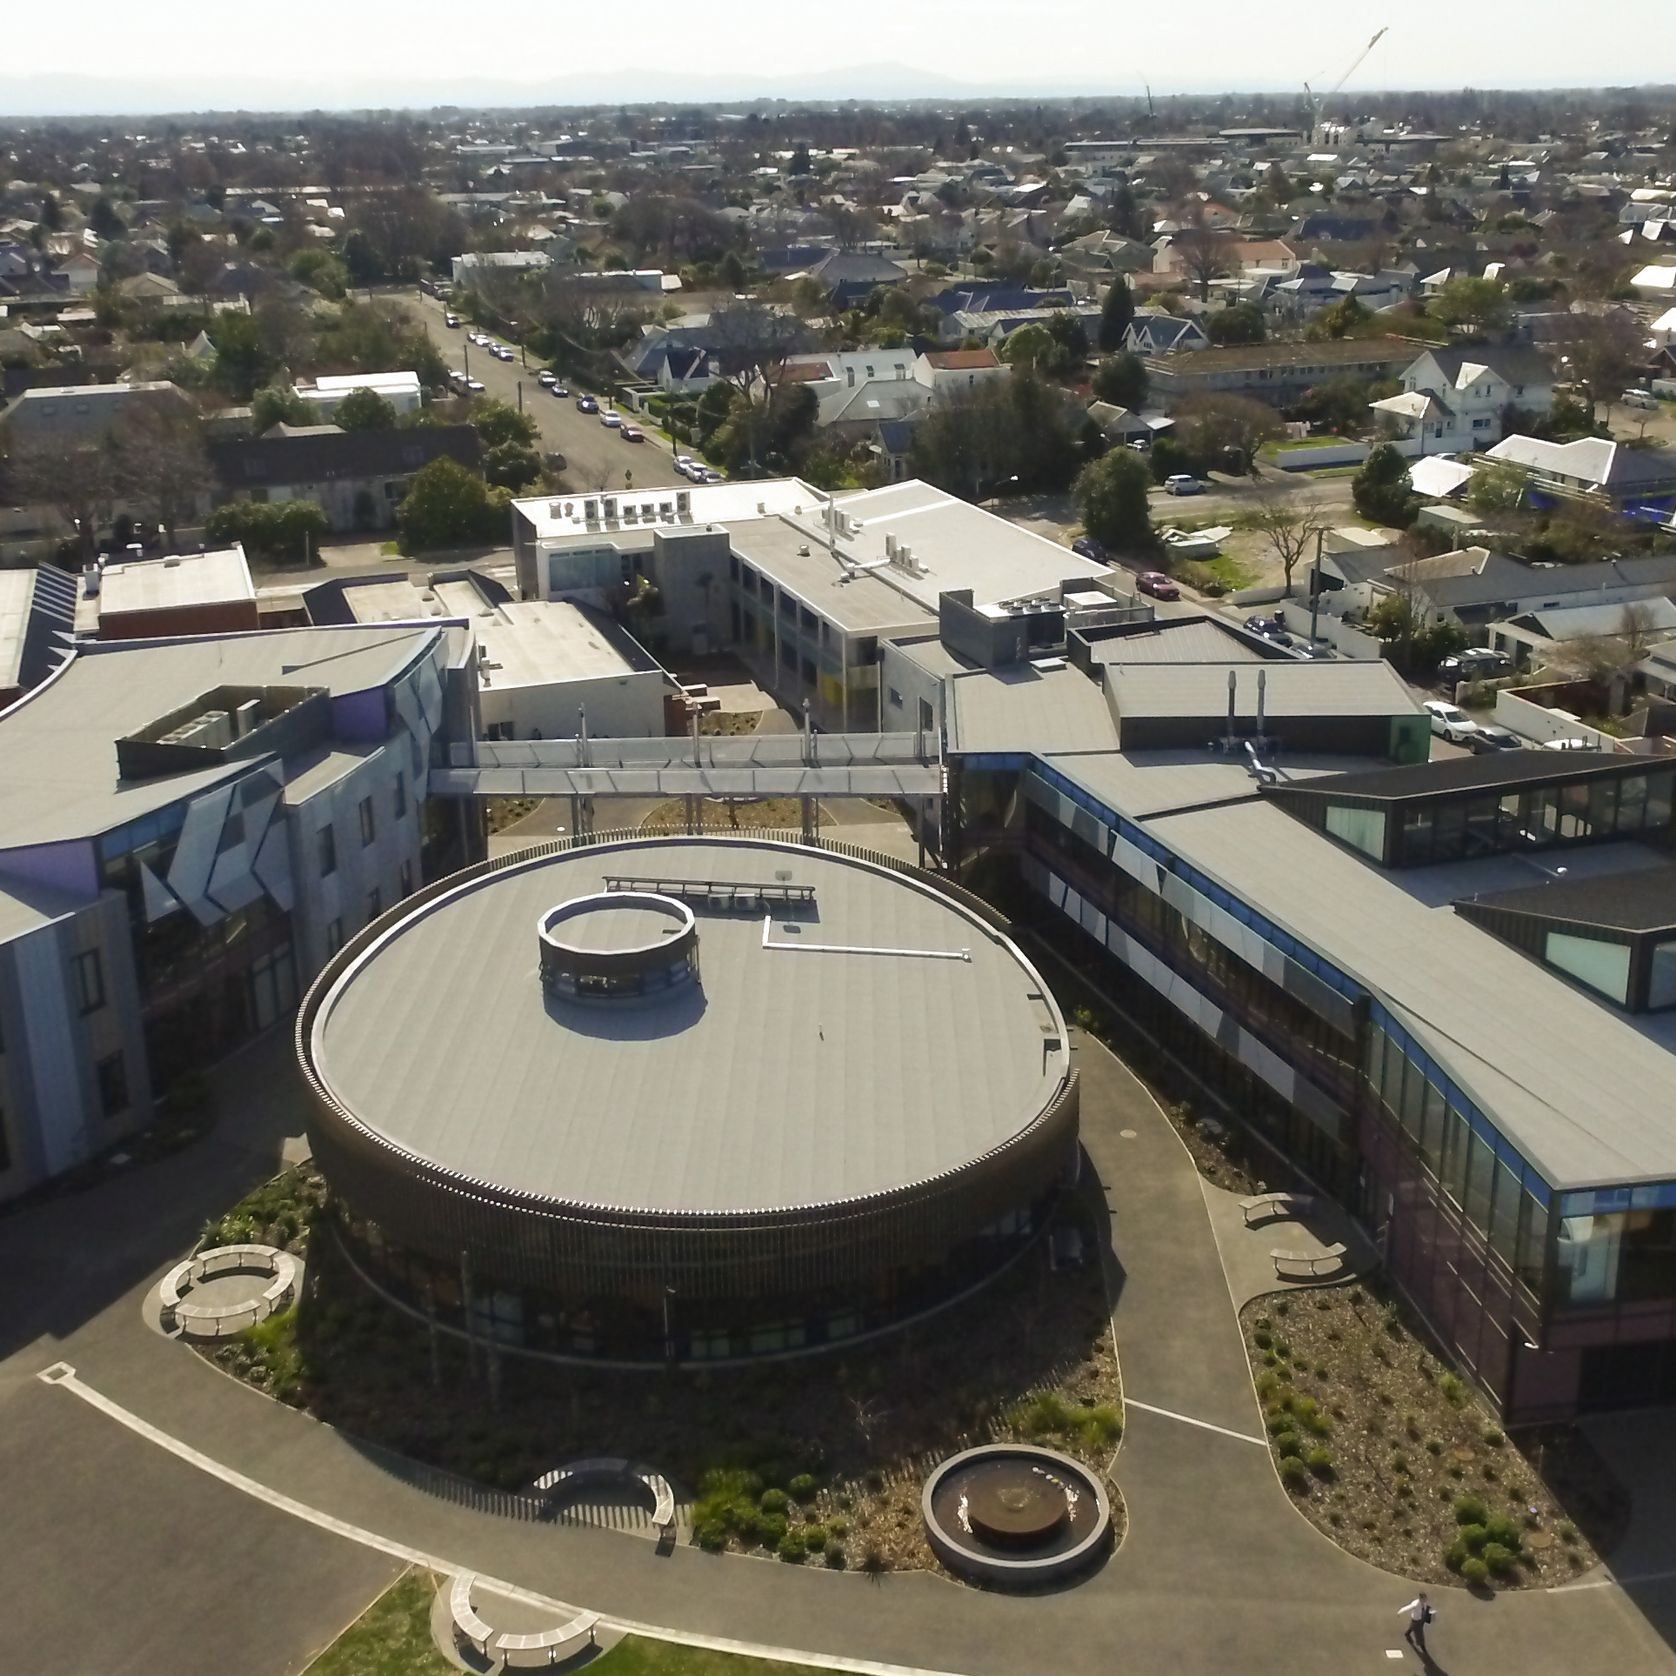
(59, 742)
(218, 577)
(1292, 688)
(880, 1036)
(1026, 708)
(1581, 1090)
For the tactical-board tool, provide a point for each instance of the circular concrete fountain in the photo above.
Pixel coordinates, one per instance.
(1015, 1515)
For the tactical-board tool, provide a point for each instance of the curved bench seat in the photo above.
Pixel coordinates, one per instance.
(467, 1625)
(522, 1652)
(612, 1469)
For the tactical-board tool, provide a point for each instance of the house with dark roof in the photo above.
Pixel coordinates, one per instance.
(848, 277)
(1459, 398)
(357, 478)
(1154, 333)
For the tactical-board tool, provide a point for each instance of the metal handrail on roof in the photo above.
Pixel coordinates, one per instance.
(715, 893)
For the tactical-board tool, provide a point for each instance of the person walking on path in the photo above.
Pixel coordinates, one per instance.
(1419, 1614)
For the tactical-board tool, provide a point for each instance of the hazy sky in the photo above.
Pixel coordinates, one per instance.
(326, 51)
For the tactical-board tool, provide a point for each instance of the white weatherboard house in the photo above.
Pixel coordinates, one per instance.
(1458, 399)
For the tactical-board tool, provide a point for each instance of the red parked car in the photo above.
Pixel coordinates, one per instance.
(1156, 583)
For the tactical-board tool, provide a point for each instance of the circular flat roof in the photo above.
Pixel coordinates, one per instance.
(614, 923)
(854, 1031)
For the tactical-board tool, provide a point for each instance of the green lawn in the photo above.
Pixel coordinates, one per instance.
(393, 1638)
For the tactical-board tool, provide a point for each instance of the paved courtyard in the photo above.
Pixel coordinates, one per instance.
(250, 1542)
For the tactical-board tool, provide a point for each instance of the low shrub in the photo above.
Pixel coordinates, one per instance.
(1453, 1390)
(1493, 1438)
(1469, 1510)
(1320, 1462)
(814, 1537)
(790, 1548)
(1293, 1473)
(1499, 1560)
(1504, 1532)
(802, 1487)
(711, 1535)
(1473, 1538)
(1474, 1572)
(1288, 1444)
(772, 1501)
(834, 1554)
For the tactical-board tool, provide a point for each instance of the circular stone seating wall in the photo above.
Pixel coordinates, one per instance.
(213, 1321)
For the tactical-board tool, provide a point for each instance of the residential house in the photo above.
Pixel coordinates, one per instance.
(1155, 333)
(357, 478)
(79, 413)
(849, 277)
(400, 389)
(686, 372)
(1460, 398)
(1638, 482)
(952, 372)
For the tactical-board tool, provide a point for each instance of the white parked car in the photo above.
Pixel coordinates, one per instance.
(610, 420)
(1450, 722)
(546, 379)
(687, 465)
(475, 385)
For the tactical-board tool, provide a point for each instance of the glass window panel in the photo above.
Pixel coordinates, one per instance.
(1504, 1215)
(1452, 1171)
(1602, 966)
(1481, 1169)
(1661, 976)
(1431, 1139)
(1659, 790)
(1533, 1241)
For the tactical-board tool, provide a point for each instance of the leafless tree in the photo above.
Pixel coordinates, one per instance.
(1291, 528)
(80, 480)
(1607, 660)
(1604, 351)
(1206, 252)
(160, 462)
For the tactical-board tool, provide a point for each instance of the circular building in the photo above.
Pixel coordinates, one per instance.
(685, 1098)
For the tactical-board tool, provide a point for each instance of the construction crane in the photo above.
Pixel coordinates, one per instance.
(1314, 104)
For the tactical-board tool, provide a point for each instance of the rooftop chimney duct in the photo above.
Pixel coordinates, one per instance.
(1262, 682)
(1233, 684)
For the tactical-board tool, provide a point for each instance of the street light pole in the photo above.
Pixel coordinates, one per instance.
(1315, 586)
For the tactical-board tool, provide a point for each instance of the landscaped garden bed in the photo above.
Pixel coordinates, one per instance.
(1397, 1460)
(819, 1459)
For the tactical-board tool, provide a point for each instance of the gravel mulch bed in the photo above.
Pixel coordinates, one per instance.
(821, 1459)
(1399, 1462)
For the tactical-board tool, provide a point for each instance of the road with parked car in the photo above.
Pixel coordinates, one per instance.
(602, 448)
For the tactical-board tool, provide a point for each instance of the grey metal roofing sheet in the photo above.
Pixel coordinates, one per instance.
(1178, 640)
(1290, 689)
(998, 711)
(1585, 1093)
(794, 1076)
(58, 743)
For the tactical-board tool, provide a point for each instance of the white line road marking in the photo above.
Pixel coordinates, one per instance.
(1188, 1420)
(64, 1376)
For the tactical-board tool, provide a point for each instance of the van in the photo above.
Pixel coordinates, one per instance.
(1640, 398)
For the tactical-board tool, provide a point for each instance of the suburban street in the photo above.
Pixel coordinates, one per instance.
(596, 457)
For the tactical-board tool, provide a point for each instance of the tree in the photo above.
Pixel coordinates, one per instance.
(161, 462)
(1217, 427)
(1344, 318)
(1609, 660)
(365, 410)
(499, 423)
(81, 481)
(511, 465)
(278, 404)
(243, 358)
(1125, 214)
(1473, 307)
(104, 220)
(1243, 323)
(1496, 487)
(1111, 495)
(1380, 489)
(1604, 351)
(1034, 347)
(1291, 528)
(749, 343)
(1011, 433)
(1121, 379)
(1116, 313)
(285, 531)
(449, 506)
(1413, 641)
(1205, 252)
(320, 271)
(800, 164)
